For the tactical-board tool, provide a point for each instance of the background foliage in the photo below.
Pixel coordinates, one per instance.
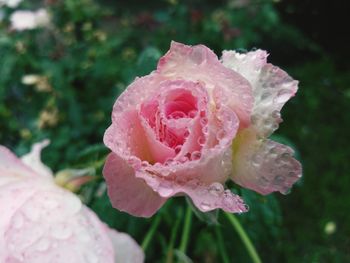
(93, 49)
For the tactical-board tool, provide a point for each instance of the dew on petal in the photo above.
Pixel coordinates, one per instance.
(205, 206)
(18, 221)
(61, 231)
(201, 140)
(192, 114)
(91, 257)
(31, 212)
(42, 245)
(203, 121)
(196, 155)
(177, 149)
(165, 190)
(216, 189)
(221, 134)
(282, 96)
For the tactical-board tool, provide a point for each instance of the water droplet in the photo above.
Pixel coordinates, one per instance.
(205, 130)
(220, 135)
(91, 257)
(227, 199)
(203, 121)
(282, 96)
(263, 181)
(201, 140)
(83, 235)
(42, 245)
(193, 184)
(246, 207)
(18, 221)
(61, 231)
(178, 149)
(144, 164)
(169, 161)
(256, 159)
(192, 114)
(205, 206)
(186, 133)
(276, 114)
(279, 179)
(286, 190)
(165, 190)
(285, 156)
(135, 162)
(196, 155)
(183, 159)
(216, 189)
(165, 172)
(31, 212)
(265, 95)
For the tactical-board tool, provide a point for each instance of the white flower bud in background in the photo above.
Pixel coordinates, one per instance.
(330, 228)
(30, 79)
(10, 3)
(27, 20)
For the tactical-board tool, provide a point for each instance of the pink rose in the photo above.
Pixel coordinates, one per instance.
(41, 222)
(192, 124)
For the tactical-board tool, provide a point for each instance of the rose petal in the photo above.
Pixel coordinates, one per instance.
(198, 63)
(199, 180)
(247, 64)
(33, 159)
(275, 89)
(53, 225)
(11, 198)
(11, 168)
(41, 221)
(126, 136)
(272, 87)
(128, 193)
(126, 249)
(264, 166)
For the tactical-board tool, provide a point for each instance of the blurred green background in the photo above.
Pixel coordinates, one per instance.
(93, 49)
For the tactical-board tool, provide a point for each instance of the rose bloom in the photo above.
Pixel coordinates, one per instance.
(192, 124)
(41, 222)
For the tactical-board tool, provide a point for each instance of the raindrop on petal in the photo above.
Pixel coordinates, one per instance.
(216, 189)
(165, 190)
(205, 206)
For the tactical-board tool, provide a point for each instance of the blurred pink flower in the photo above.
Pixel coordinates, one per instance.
(41, 222)
(192, 124)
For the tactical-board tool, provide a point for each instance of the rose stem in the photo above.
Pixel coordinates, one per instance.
(221, 244)
(151, 232)
(186, 230)
(170, 252)
(244, 237)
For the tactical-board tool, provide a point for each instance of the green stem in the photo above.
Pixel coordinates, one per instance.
(170, 252)
(244, 237)
(186, 230)
(223, 253)
(150, 233)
